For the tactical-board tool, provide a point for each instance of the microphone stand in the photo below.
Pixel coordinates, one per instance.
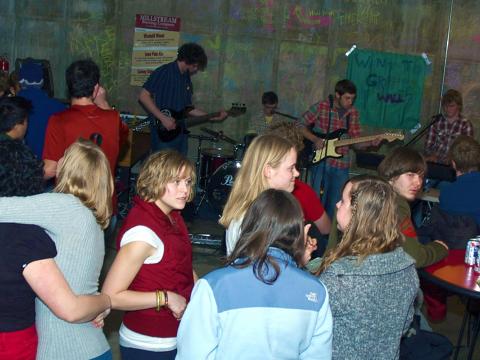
(325, 145)
(422, 132)
(285, 115)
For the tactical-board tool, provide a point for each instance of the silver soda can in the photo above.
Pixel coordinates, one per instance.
(476, 268)
(471, 252)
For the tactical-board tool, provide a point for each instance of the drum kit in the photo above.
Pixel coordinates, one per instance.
(216, 168)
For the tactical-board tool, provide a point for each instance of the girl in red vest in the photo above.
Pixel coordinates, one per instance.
(152, 276)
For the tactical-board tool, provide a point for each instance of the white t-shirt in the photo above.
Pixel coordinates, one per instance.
(129, 338)
(232, 234)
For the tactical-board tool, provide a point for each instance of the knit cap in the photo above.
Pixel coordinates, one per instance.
(31, 74)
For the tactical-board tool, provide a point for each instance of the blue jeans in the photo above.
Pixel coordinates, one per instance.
(137, 354)
(180, 143)
(333, 185)
(105, 356)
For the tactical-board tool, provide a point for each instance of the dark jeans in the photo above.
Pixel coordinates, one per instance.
(105, 356)
(137, 354)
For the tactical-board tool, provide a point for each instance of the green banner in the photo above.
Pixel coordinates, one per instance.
(389, 87)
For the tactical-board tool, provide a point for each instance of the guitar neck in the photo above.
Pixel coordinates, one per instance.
(346, 142)
(197, 120)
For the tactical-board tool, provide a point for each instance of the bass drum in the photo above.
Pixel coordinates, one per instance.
(212, 159)
(220, 184)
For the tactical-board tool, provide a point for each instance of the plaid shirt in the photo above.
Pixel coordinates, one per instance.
(317, 115)
(442, 134)
(258, 123)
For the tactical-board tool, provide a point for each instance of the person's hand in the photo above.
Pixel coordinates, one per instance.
(221, 116)
(310, 245)
(99, 321)
(319, 143)
(100, 98)
(376, 142)
(168, 122)
(442, 243)
(176, 304)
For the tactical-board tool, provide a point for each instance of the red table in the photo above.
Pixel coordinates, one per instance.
(453, 275)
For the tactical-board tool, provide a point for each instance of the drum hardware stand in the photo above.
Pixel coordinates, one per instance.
(203, 198)
(236, 149)
(200, 138)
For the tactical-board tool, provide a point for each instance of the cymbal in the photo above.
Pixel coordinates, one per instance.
(220, 135)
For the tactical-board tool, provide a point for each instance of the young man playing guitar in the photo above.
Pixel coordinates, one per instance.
(170, 87)
(344, 116)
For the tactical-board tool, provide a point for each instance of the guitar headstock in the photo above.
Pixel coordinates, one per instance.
(237, 109)
(393, 136)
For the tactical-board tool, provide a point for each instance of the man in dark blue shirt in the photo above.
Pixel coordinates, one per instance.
(170, 87)
(462, 197)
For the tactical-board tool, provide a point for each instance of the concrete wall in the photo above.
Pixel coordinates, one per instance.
(293, 47)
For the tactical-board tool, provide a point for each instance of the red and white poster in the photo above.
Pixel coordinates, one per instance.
(155, 43)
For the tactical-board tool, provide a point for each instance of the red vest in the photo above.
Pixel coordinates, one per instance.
(174, 272)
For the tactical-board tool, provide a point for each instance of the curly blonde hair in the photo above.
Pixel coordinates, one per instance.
(373, 227)
(288, 130)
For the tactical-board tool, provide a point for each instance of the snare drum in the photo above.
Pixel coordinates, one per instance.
(220, 184)
(212, 159)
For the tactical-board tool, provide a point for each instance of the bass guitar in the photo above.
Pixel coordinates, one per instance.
(334, 141)
(183, 120)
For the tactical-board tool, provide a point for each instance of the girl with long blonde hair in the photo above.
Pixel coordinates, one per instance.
(74, 215)
(368, 275)
(270, 162)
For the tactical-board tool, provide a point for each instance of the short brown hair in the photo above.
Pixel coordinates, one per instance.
(160, 169)
(465, 152)
(452, 96)
(400, 161)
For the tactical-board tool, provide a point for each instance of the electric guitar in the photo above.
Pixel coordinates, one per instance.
(334, 141)
(184, 120)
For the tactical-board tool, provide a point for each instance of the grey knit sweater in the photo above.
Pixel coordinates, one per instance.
(80, 247)
(371, 303)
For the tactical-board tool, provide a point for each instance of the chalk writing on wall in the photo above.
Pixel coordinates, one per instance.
(389, 87)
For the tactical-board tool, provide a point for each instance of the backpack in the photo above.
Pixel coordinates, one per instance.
(420, 344)
(454, 230)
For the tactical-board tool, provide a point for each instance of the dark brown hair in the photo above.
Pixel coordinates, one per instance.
(400, 161)
(274, 219)
(452, 96)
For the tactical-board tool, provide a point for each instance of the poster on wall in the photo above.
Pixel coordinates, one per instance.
(389, 87)
(155, 43)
